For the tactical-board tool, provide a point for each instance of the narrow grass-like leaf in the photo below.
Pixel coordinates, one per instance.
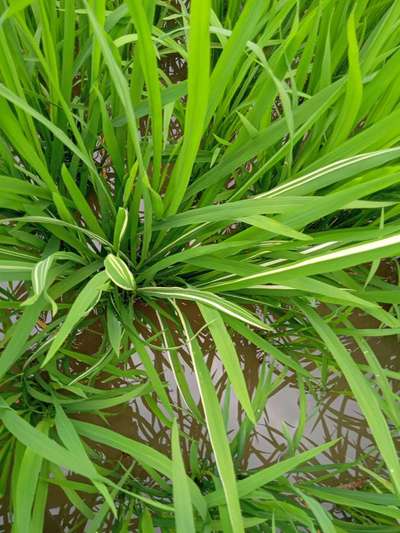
(364, 395)
(270, 473)
(353, 96)
(148, 61)
(184, 519)
(207, 298)
(274, 226)
(72, 442)
(83, 304)
(228, 356)
(81, 203)
(114, 331)
(95, 404)
(319, 512)
(40, 443)
(21, 332)
(28, 479)
(121, 223)
(198, 90)
(143, 453)
(216, 428)
(319, 264)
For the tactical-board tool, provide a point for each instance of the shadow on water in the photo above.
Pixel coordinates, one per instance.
(330, 415)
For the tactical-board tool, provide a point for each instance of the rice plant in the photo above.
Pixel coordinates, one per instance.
(177, 171)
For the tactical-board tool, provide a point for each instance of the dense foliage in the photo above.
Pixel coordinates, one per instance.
(175, 170)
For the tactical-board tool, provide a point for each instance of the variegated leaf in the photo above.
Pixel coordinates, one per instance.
(121, 223)
(207, 298)
(118, 272)
(83, 304)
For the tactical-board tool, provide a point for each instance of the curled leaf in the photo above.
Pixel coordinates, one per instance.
(118, 272)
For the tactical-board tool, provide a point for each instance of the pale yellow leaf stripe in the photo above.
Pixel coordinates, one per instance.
(352, 250)
(343, 163)
(209, 299)
(119, 272)
(15, 267)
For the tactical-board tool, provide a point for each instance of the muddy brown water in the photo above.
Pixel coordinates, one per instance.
(330, 416)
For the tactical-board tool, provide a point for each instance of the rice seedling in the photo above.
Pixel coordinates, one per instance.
(177, 171)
